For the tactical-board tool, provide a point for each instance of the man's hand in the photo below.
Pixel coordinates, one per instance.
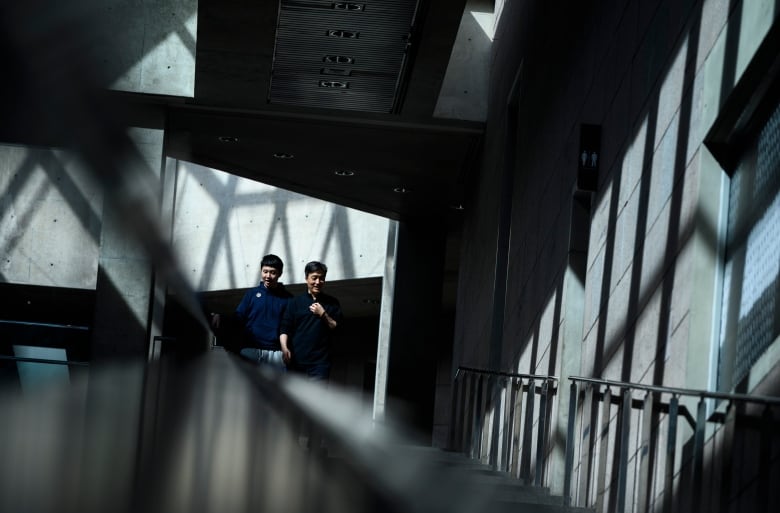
(286, 354)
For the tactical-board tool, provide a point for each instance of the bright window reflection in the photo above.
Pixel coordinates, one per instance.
(35, 374)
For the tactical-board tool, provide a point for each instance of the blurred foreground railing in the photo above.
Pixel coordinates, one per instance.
(213, 433)
(503, 419)
(639, 448)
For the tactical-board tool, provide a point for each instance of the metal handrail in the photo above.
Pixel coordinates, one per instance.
(590, 404)
(493, 418)
(704, 394)
(45, 325)
(501, 373)
(43, 360)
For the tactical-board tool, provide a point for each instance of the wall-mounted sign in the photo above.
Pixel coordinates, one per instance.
(590, 148)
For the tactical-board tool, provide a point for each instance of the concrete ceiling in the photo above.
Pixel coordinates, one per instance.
(294, 134)
(240, 117)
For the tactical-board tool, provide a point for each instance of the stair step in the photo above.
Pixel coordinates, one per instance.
(500, 490)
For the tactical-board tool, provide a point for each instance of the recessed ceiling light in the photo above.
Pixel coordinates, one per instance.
(402, 190)
(282, 155)
(342, 34)
(334, 84)
(348, 6)
(338, 59)
(227, 138)
(343, 172)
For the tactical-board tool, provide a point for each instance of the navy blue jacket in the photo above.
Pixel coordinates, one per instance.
(260, 313)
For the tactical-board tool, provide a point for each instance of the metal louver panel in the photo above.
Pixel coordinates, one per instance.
(341, 55)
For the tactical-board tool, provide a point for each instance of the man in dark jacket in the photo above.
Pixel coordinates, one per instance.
(306, 326)
(259, 313)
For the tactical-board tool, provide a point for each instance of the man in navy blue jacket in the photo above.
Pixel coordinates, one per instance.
(306, 326)
(259, 313)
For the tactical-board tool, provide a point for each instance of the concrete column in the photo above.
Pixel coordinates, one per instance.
(124, 282)
(571, 332)
(385, 323)
(417, 323)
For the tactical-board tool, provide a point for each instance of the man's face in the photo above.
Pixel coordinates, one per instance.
(315, 281)
(270, 276)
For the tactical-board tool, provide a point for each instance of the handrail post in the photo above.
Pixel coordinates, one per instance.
(468, 410)
(603, 437)
(569, 462)
(525, 462)
(625, 431)
(765, 460)
(455, 406)
(586, 446)
(541, 438)
(496, 419)
(671, 444)
(698, 455)
(506, 422)
(727, 449)
(484, 438)
(517, 420)
(476, 429)
(645, 454)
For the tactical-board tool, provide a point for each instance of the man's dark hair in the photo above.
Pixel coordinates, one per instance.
(272, 261)
(314, 266)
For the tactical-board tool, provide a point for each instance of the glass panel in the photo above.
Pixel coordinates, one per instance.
(34, 374)
(749, 321)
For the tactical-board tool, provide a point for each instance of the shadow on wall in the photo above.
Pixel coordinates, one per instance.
(224, 224)
(55, 98)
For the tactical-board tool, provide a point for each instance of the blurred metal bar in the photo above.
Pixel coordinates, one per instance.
(43, 360)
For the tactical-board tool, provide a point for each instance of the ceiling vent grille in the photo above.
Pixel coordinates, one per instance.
(367, 41)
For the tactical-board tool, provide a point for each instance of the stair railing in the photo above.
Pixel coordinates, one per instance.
(627, 449)
(503, 420)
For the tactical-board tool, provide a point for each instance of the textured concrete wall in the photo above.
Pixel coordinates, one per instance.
(651, 75)
(50, 219)
(654, 76)
(224, 224)
(149, 47)
(464, 92)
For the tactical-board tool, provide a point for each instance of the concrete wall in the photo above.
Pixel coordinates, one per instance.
(148, 47)
(50, 219)
(653, 76)
(224, 224)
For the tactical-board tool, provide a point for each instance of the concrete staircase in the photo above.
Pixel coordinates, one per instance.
(497, 492)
